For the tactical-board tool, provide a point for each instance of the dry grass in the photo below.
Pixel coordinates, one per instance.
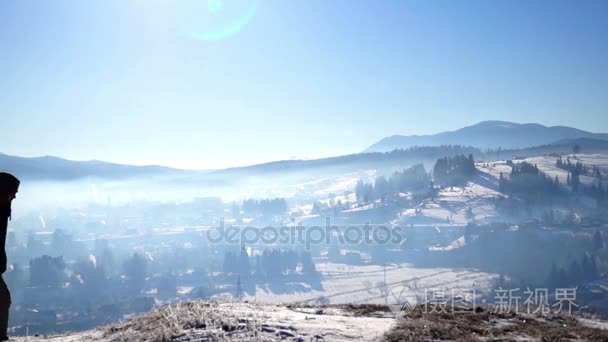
(486, 325)
(367, 309)
(208, 321)
(196, 320)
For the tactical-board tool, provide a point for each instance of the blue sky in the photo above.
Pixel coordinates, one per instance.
(125, 81)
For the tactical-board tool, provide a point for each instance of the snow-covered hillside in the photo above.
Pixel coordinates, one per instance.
(451, 204)
(547, 164)
(346, 284)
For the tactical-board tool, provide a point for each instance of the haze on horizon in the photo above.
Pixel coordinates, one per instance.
(123, 82)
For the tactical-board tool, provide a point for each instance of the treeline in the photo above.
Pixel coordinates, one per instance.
(454, 170)
(567, 165)
(528, 182)
(332, 207)
(531, 257)
(596, 190)
(238, 264)
(434, 152)
(574, 171)
(411, 179)
(272, 263)
(579, 273)
(576, 274)
(599, 193)
(88, 277)
(47, 271)
(265, 207)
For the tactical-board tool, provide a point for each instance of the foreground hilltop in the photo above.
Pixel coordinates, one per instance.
(207, 321)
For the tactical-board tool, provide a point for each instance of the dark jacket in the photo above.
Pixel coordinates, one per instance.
(5, 213)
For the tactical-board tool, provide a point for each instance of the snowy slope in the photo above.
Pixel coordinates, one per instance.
(345, 284)
(208, 321)
(204, 321)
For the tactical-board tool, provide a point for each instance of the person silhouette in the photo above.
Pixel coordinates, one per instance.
(9, 186)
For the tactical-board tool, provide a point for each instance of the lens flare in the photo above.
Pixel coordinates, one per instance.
(215, 6)
(214, 20)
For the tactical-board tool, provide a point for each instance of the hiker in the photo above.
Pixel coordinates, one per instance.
(9, 185)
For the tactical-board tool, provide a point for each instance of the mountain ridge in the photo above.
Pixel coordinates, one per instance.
(56, 168)
(39, 168)
(488, 134)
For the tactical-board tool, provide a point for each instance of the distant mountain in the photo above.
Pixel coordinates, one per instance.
(410, 156)
(54, 168)
(489, 134)
(353, 162)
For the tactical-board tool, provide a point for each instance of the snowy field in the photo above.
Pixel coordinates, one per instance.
(547, 165)
(450, 205)
(296, 313)
(346, 284)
